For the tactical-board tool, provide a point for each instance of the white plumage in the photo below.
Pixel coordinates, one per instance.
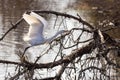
(35, 34)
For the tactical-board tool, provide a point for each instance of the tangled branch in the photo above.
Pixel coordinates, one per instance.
(96, 46)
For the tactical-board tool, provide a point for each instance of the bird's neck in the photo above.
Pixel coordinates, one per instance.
(53, 37)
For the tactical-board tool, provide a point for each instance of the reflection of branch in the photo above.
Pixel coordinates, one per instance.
(13, 27)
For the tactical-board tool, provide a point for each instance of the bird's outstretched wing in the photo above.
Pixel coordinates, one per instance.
(35, 29)
(44, 22)
(31, 20)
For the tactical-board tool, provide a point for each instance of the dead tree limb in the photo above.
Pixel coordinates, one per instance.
(74, 54)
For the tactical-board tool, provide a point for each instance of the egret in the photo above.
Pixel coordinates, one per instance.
(35, 34)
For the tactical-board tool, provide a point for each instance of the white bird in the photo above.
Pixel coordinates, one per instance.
(35, 34)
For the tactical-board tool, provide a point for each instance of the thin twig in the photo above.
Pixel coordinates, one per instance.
(13, 27)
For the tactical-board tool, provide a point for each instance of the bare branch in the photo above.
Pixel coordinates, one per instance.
(13, 27)
(74, 54)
